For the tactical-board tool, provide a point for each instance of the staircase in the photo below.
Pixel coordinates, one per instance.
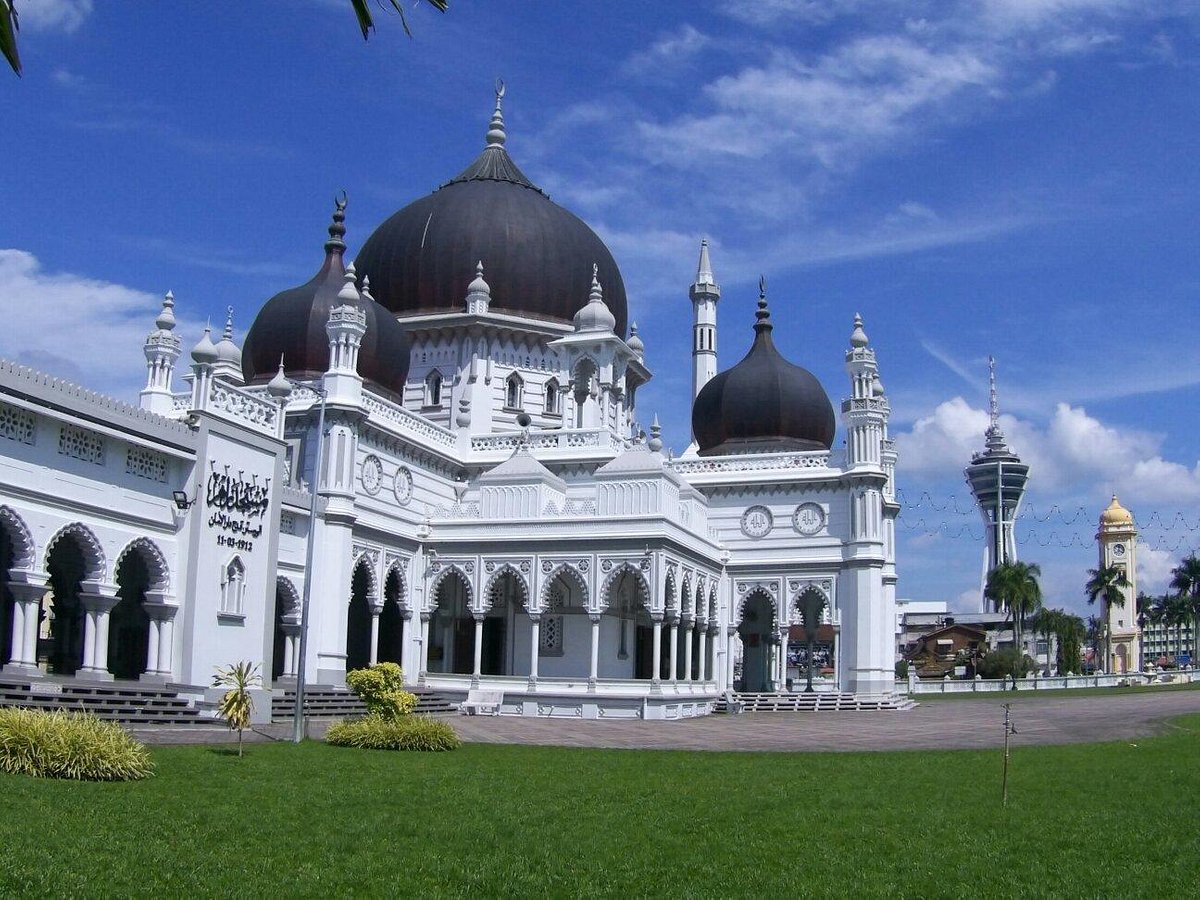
(814, 702)
(129, 703)
(329, 702)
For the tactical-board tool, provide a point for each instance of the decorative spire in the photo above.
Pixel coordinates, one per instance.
(762, 316)
(595, 315)
(279, 387)
(495, 135)
(655, 443)
(858, 337)
(478, 285)
(366, 288)
(348, 295)
(597, 294)
(993, 400)
(636, 344)
(706, 282)
(205, 351)
(166, 317)
(228, 333)
(479, 292)
(337, 228)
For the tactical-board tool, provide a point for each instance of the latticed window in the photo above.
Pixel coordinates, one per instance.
(81, 444)
(145, 463)
(550, 638)
(17, 424)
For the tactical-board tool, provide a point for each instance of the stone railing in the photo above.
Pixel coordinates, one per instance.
(977, 685)
(243, 407)
(548, 440)
(811, 459)
(388, 413)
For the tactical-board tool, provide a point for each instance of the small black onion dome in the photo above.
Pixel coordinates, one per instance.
(762, 404)
(538, 256)
(292, 325)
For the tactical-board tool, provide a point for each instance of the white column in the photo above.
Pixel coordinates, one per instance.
(729, 635)
(674, 649)
(423, 669)
(289, 654)
(656, 672)
(535, 640)
(688, 633)
(783, 639)
(702, 663)
(478, 651)
(95, 635)
(166, 642)
(27, 604)
(593, 671)
(152, 645)
(376, 609)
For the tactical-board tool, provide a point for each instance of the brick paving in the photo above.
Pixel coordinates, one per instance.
(944, 725)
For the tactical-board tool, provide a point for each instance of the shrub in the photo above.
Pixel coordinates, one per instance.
(404, 733)
(69, 745)
(902, 668)
(237, 705)
(1002, 663)
(381, 687)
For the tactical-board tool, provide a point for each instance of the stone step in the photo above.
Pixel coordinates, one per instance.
(127, 704)
(329, 703)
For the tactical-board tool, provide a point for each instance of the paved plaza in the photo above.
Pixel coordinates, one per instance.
(939, 724)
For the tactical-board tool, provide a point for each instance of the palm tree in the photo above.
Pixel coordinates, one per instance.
(1070, 632)
(1013, 588)
(1106, 583)
(1094, 632)
(1185, 580)
(1046, 622)
(1178, 611)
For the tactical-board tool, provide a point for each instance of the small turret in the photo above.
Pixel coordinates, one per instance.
(595, 316)
(479, 293)
(229, 355)
(704, 292)
(162, 349)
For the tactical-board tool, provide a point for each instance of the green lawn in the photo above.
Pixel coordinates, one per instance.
(1095, 820)
(1059, 693)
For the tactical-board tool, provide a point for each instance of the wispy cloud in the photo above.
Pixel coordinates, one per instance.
(54, 15)
(667, 53)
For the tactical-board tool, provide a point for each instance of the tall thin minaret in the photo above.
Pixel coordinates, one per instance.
(162, 349)
(704, 293)
(997, 478)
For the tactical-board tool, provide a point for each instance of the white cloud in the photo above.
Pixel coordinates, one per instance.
(82, 329)
(668, 52)
(1154, 568)
(53, 15)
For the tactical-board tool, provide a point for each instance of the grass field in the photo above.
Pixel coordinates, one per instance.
(1085, 820)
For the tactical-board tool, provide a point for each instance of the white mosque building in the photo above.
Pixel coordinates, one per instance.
(440, 445)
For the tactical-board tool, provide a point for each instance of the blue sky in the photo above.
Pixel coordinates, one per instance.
(1007, 177)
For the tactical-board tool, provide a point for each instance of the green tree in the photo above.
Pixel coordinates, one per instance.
(1107, 583)
(9, 24)
(237, 705)
(1185, 581)
(1013, 588)
(1045, 622)
(1094, 631)
(1070, 631)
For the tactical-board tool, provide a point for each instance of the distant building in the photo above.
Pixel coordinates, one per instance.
(997, 478)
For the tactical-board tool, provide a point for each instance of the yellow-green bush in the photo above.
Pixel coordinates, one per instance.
(69, 745)
(381, 687)
(404, 733)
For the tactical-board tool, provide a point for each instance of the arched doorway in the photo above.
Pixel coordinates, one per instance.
(7, 601)
(287, 629)
(391, 620)
(61, 633)
(358, 620)
(627, 631)
(452, 628)
(756, 631)
(507, 597)
(129, 625)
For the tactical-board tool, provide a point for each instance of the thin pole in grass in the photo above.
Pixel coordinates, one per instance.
(1010, 728)
(298, 712)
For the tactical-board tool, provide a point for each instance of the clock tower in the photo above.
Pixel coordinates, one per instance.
(1117, 538)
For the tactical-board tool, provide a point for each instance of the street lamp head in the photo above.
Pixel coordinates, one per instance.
(182, 503)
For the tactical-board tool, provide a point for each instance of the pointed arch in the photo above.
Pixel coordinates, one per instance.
(685, 594)
(756, 591)
(364, 563)
(616, 576)
(552, 398)
(514, 391)
(24, 551)
(453, 569)
(712, 603)
(95, 565)
(433, 388)
(670, 597)
(155, 560)
(395, 570)
(288, 596)
(493, 585)
(566, 572)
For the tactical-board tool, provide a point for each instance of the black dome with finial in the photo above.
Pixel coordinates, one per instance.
(292, 325)
(764, 403)
(537, 256)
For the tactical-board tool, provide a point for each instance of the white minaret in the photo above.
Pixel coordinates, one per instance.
(866, 412)
(704, 293)
(162, 348)
(346, 326)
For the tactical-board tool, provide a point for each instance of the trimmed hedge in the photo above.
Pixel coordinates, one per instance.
(62, 744)
(404, 733)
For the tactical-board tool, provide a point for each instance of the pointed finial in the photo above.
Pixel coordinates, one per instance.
(636, 344)
(166, 316)
(349, 293)
(205, 351)
(597, 295)
(762, 317)
(706, 283)
(994, 401)
(279, 387)
(655, 443)
(228, 333)
(858, 337)
(337, 228)
(495, 135)
(478, 285)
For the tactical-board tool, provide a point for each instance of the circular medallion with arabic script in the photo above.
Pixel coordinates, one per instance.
(402, 486)
(372, 475)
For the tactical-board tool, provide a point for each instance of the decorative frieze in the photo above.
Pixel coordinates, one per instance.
(142, 462)
(17, 424)
(81, 444)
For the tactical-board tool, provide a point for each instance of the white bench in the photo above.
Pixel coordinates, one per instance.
(482, 702)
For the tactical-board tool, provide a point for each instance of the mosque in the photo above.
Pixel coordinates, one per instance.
(439, 446)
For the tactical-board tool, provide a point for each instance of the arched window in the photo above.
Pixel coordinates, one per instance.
(233, 587)
(514, 392)
(553, 398)
(433, 388)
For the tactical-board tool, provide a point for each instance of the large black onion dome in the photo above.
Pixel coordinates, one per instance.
(292, 325)
(537, 255)
(762, 404)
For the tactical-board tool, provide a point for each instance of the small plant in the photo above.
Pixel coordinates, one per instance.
(237, 705)
(404, 733)
(381, 688)
(62, 744)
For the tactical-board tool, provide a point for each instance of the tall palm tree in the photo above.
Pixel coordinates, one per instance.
(1177, 613)
(1046, 622)
(1107, 583)
(1185, 580)
(1095, 631)
(1013, 588)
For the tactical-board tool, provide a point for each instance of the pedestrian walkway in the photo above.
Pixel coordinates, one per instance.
(944, 725)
